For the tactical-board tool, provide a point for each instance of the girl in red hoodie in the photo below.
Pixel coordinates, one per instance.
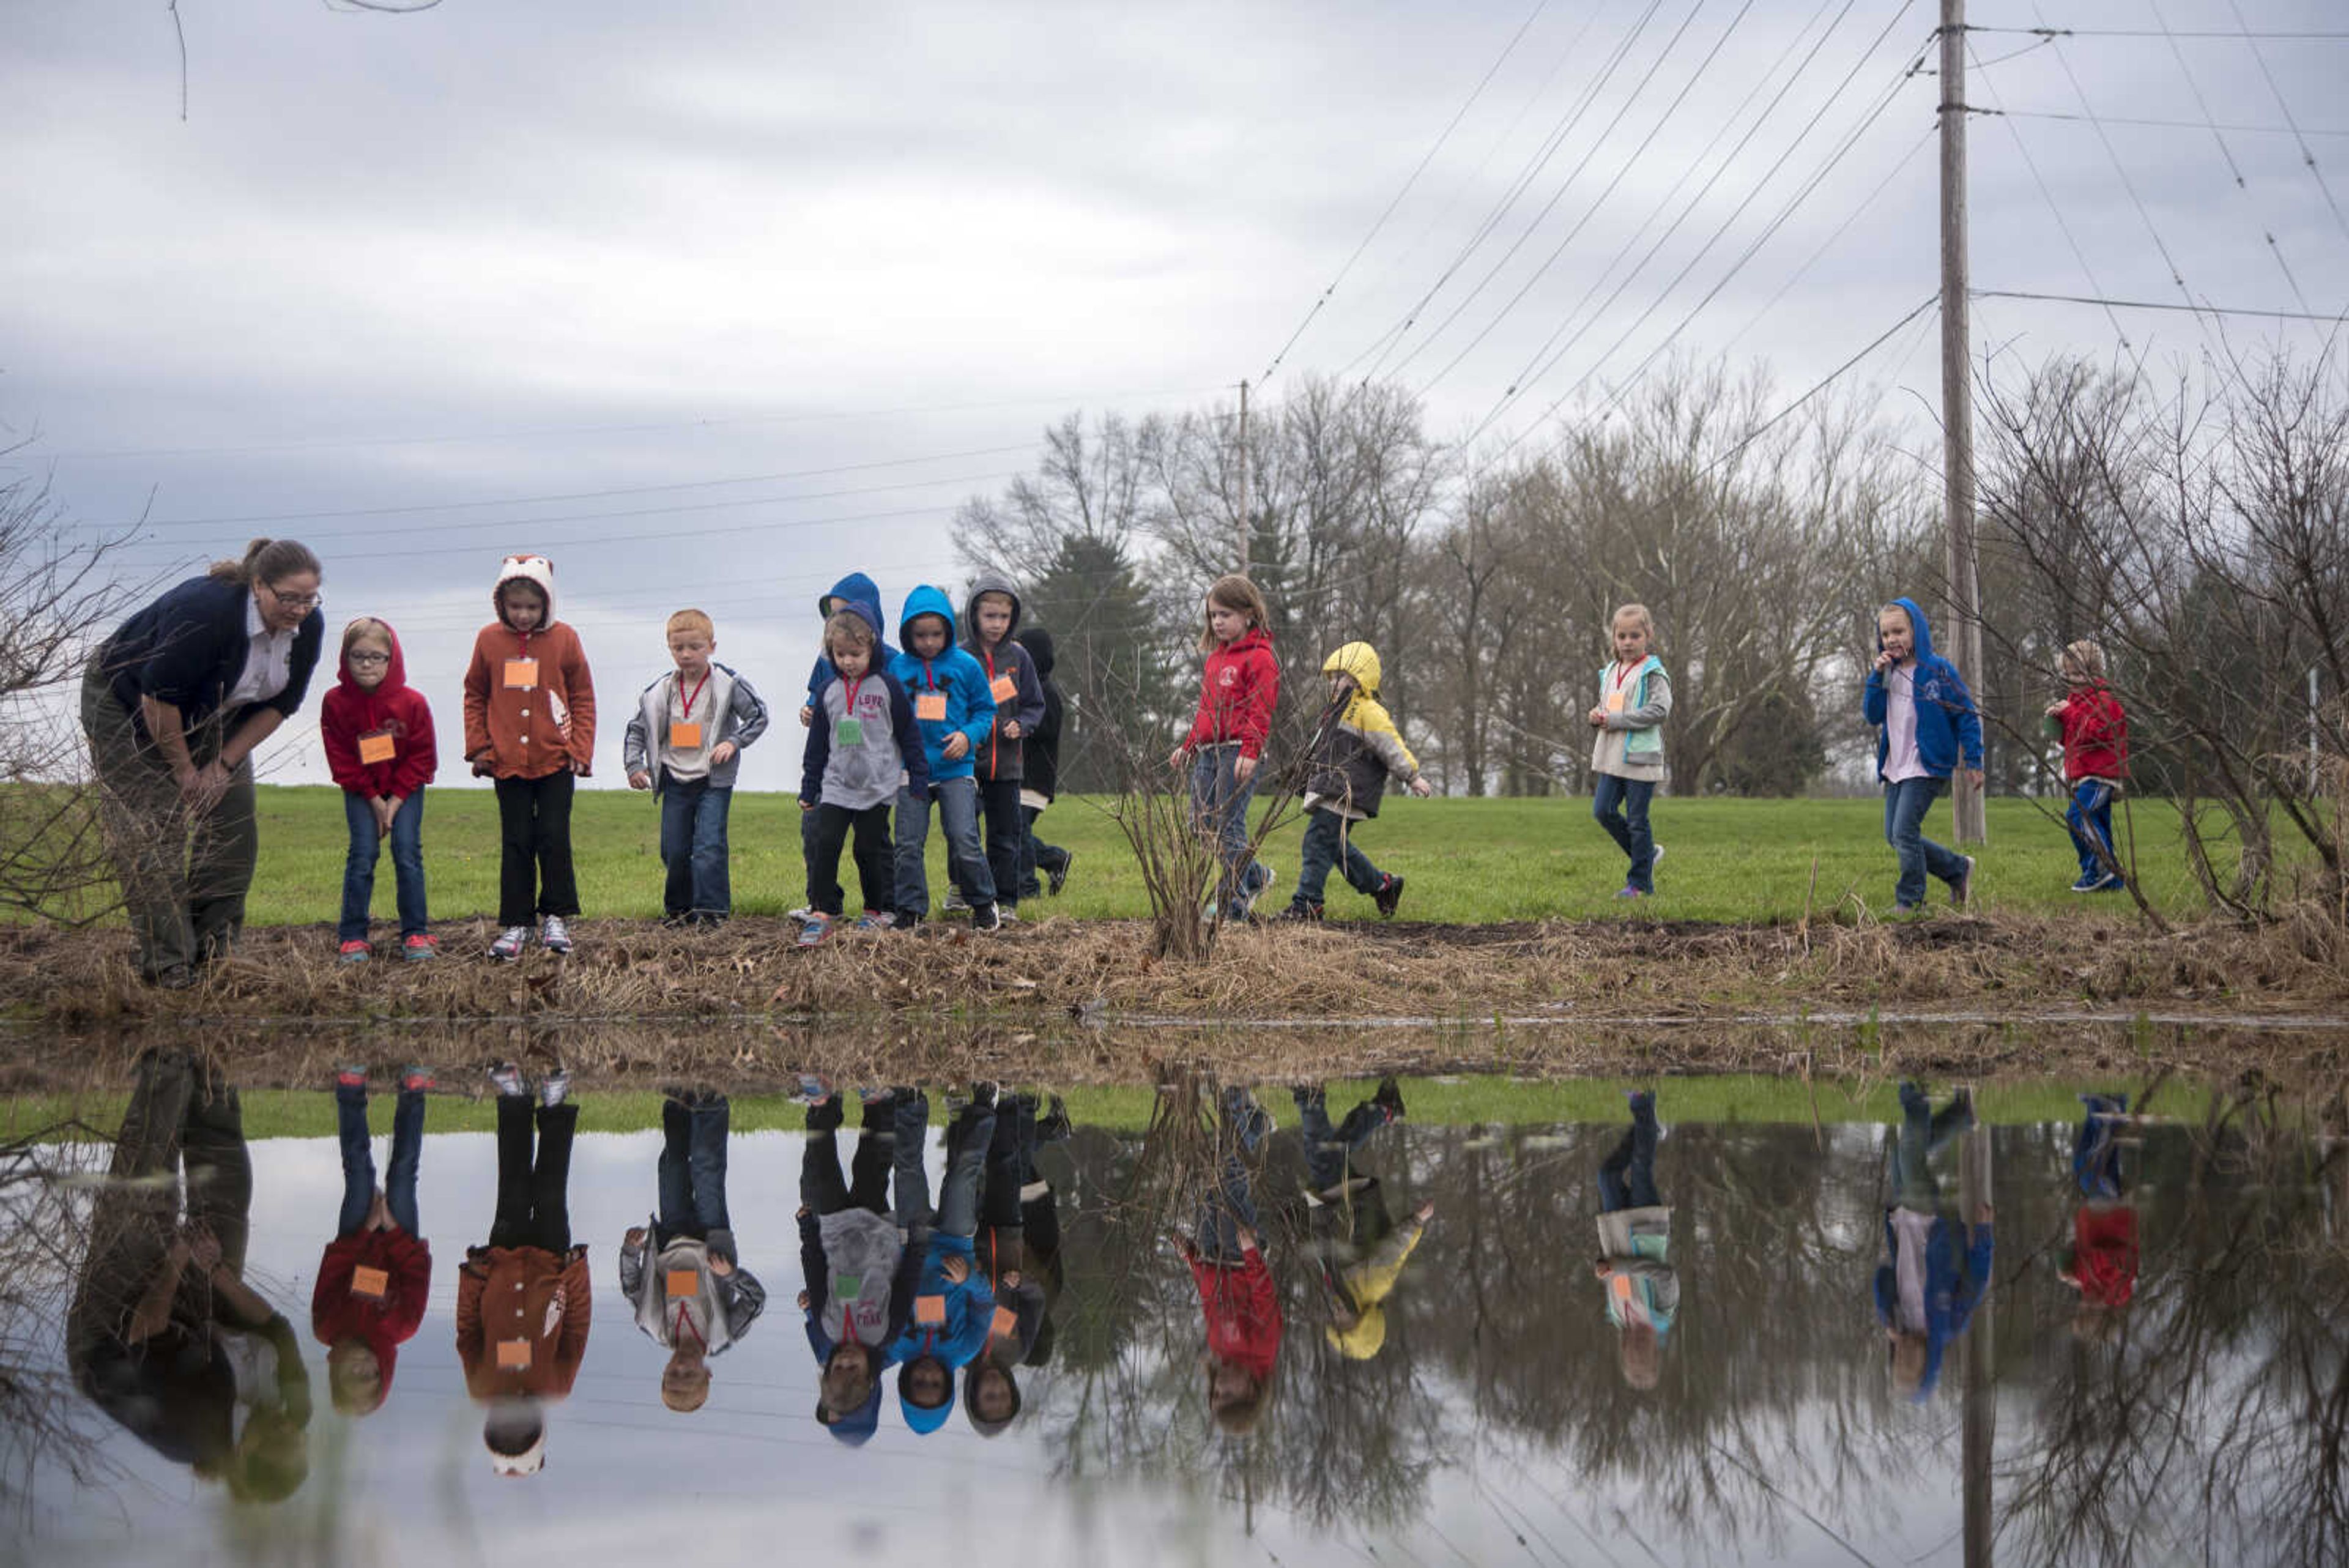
(378, 736)
(1241, 688)
(377, 1272)
(2095, 755)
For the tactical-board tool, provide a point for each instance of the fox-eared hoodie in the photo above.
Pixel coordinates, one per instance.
(955, 676)
(529, 703)
(352, 717)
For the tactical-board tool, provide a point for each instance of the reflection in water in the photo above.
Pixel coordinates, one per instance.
(1346, 1334)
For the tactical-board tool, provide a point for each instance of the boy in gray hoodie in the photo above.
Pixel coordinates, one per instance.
(990, 617)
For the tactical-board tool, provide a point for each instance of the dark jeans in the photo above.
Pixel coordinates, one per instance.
(1230, 1204)
(1035, 852)
(534, 875)
(533, 1200)
(693, 847)
(957, 804)
(359, 1159)
(367, 849)
(999, 1181)
(1626, 1178)
(828, 827)
(1220, 808)
(807, 858)
(1330, 1151)
(693, 1174)
(2095, 1150)
(966, 1146)
(1905, 805)
(1329, 843)
(1007, 839)
(821, 1186)
(1620, 806)
(2090, 818)
(1923, 1131)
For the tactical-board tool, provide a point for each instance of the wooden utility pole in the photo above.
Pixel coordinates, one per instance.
(1963, 614)
(1978, 1434)
(1244, 481)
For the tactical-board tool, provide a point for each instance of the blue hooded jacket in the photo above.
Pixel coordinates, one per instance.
(856, 592)
(969, 1318)
(1951, 1293)
(1946, 718)
(962, 679)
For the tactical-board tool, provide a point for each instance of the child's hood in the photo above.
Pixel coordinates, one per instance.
(857, 592)
(925, 600)
(921, 1420)
(535, 569)
(1358, 662)
(1918, 631)
(866, 611)
(991, 583)
(1038, 642)
(395, 674)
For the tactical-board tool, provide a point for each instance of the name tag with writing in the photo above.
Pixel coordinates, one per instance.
(378, 747)
(848, 732)
(1006, 1324)
(1615, 700)
(521, 674)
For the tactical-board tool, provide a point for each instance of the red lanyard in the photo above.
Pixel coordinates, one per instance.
(693, 697)
(1623, 673)
(851, 711)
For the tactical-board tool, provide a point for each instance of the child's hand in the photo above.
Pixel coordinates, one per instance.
(1247, 1234)
(483, 766)
(640, 780)
(384, 807)
(2057, 710)
(1974, 777)
(379, 1213)
(1598, 718)
(956, 1269)
(634, 1238)
(720, 1266)
(1421, 788)
(579, 767)
(1981, 1213)
(1011, 1277)
(807, 806)
(1174, 758)
(721, 753)
(803, 1301)
(203, 1247)
(1883, 661)
(1423, 1213)
(957, 746)
(807, 715)
(1601, 1267)
(1244, 770)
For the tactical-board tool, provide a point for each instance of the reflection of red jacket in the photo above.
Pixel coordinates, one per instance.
(2095, 735)
(1241, 688)
(338, 1312)
(2104, 1253)
(350, 710)
(1243, 1311)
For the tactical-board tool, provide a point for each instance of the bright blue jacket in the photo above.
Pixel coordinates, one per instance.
(1951, 1296)
(1946, 718)
(970, 707)
(970, 1316)
(856, 592)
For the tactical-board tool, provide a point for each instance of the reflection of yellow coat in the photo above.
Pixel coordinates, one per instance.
(1367, 1284)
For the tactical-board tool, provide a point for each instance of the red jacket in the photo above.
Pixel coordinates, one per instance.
(2095, 735)
(2103, 1253)
(350, 710)
(1236, 699)
(1243, 1310)
(338, 1312)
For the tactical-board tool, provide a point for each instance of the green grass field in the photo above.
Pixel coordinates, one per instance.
(1467, 860)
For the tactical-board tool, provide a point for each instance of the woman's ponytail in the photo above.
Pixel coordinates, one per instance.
(268, 561)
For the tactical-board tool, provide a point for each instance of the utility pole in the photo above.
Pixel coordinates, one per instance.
(1964, 597)
(1978, 1429)
(1244, 481)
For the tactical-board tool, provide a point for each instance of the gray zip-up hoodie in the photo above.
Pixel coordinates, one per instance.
(718, 1311)
(741, 719)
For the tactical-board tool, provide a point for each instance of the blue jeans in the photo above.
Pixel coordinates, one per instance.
(406, 865)
(1330, 1150)
(1219, 805)
(693, 1174)
(2090, 818)
(2095, 1152)
(1626, 1178)
(1035, 852)
(1620, 806)
(958, 1210)
(693, 847)
(1329, 843)
(1905, 805)
(958, 802)
(359, 1159)
(1922, 1132)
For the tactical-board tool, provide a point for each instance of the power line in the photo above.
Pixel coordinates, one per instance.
(1758, 432)
(2193, 307)
(2162, 124)
(2306, 156)
(1867, 203)
(2311, 35)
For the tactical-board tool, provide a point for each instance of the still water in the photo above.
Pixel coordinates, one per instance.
(1246, 1326)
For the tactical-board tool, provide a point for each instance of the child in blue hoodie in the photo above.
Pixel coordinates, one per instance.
(856, 589)
(954, 1302)
(1927, 726)
(1927, 1289)
(956, 714)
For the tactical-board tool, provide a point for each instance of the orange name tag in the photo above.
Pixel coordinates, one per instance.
(685, 737)
(930, 705)
(1006, 1324)
(513, 1353)
(378, 747)
(521, 674)
(369, 1282)
(1615, 700)
(930, 1312)
(684, 1281)
(1621, 1285)
(1004, 688)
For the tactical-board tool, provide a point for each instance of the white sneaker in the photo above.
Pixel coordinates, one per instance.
(1655, 858)
(554, 1087)
(799, 917)
(955, 903)
(508, 947)
(554, 935)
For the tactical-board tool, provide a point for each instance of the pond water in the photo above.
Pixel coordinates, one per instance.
(2142, 1358)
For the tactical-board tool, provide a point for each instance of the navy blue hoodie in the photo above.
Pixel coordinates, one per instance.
(856, 591)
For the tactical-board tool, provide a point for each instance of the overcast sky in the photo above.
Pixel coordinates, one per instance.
(825, 272)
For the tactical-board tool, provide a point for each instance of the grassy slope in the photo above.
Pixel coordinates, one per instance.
(1467, 860)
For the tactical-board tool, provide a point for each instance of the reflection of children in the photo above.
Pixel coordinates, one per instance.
(1018, 1249)
(1635, 1229)
(954, 1304)
(1928, 728)
(1238, 691)
(1926, 1289)
(1355, 747)
(1041, 765)
(1627, 748)
(523, 1302)
(2095, 754)
(378, 732)
(1361, 1248)
(682, 1274)
(2102, 1263)
(377, 1272)
(1237, 1294)
(853, 1257)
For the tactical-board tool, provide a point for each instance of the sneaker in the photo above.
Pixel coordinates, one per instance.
(1900, 911)
(2106, 882)
(1059, 879)
(1389, 895)
(1628, 891)
(508, 947)
(1961, 885)
(419, 947)
(351, 1076)
(1655, 858)
(507, 1076)
(813, 1090)
(984, 1093)
(1053, 1127)
(2089, 882)
(552, 1091)
(800, 915)
(1389, 1098)
(415, 1079)
(986, 917)
(554, 936)
(1300, 912)
(354, 952)
(814, 931)
(179, 977)
(676, 922)
(1007, 914)
(955, 904)
(1247, 902)
(876, 921)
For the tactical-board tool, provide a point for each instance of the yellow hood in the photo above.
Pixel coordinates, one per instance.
(1358, 662)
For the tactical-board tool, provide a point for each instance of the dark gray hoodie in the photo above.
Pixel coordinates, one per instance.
(1023, 700)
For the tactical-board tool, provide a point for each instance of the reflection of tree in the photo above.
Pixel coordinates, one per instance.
(42, 1225)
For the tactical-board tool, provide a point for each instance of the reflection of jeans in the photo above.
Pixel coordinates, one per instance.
(868, 1187)
(406, 865)
(1219, 805)
(1035, 852)
(912, 1138)
(359, 1159)
(1905, 805)
(2090, 819)
(1626, 1178)
(693, 1174)
(2095, 1154)
(1329, 843)
(958, 803)
(1231, 1204)
(533, 1201)
(1620, 806)
(693, 847)
(1921, 1132)
(1330, 1151)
